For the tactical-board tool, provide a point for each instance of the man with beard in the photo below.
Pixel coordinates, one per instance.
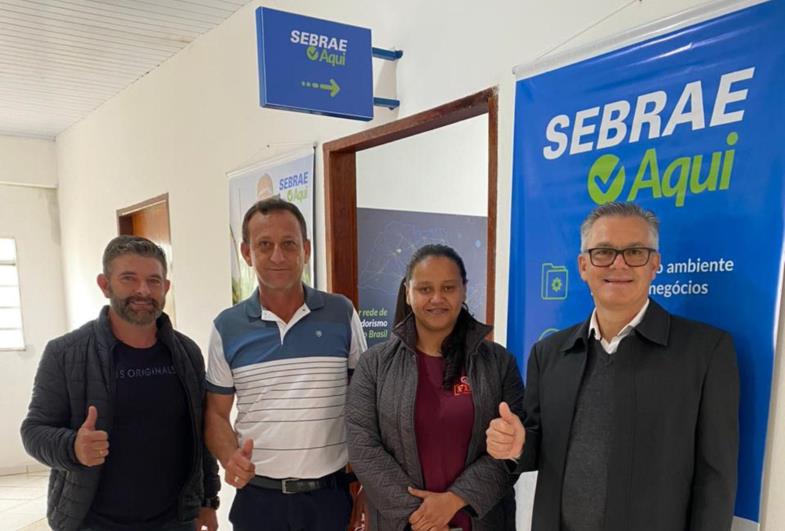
(129, 379)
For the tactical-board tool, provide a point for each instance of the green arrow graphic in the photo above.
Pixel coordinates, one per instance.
(332, 86)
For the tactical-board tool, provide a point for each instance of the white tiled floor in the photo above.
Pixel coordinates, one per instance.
(23, 503)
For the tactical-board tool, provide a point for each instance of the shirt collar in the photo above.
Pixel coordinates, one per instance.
(314, 299)
(610, 346)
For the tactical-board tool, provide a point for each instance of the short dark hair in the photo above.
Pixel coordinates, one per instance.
(273, 204)
(138, 245)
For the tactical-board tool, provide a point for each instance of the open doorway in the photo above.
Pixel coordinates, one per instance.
(150, 219)
(340, 174)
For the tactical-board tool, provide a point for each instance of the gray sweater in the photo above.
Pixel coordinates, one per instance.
(382, 441)
(586, 469)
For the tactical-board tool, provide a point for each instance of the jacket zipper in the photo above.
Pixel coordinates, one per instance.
(411, 413)
(178, 368)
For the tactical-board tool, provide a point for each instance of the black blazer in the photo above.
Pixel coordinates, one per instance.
(673, 454)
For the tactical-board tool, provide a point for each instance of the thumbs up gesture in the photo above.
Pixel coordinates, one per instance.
(91, 446)
(505, 435)
(240, 468)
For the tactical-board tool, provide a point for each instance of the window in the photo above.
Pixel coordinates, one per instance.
(11, 336)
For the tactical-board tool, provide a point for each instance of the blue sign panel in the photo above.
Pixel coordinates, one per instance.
(690, 125)
(312, 65)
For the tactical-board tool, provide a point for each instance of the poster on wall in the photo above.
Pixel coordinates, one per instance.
(387, 239)
(686, 122)
(289, 177)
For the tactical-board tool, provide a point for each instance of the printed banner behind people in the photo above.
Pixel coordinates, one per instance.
(386, 241)
(289, 177)
(687, 123)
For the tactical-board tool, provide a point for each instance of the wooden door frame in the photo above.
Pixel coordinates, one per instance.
(340, 186)
(125, 225)
(124, 214)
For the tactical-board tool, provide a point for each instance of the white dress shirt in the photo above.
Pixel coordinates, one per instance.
(611, 346)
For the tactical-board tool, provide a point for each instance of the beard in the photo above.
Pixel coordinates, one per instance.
(122, 307)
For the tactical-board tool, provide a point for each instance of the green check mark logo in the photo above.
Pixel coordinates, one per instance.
(601, 174)
(312, 53)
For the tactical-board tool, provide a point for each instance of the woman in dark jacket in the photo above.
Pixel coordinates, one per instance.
(418, 407)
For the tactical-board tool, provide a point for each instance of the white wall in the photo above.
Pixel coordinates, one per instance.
(180, 128)
(443, 171)
(30, 215)
(28, 161)
(773, 514)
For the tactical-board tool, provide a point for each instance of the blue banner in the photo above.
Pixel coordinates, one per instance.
(690, 125)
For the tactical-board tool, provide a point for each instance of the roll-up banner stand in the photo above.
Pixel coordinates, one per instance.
(686, 118)
(288, 177)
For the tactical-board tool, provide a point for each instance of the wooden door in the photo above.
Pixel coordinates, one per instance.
(150, 219)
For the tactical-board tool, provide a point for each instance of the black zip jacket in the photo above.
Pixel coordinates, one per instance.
(76, 372)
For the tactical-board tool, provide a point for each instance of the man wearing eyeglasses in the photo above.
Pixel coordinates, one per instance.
(631, 417)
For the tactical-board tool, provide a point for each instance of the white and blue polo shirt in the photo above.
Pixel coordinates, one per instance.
(290, 380)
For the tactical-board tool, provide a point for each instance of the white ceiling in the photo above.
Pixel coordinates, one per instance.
(61, 59)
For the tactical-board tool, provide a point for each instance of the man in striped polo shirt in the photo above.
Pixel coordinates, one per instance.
(285, 352)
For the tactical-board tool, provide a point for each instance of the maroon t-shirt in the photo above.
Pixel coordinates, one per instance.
(443, 422)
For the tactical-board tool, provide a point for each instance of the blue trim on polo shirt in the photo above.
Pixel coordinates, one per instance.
(249, 340)
(253, 306)
(315, 299)
(211, 387)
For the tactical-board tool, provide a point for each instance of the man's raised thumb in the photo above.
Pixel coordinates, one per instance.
(248, 448)
(92, 416)
(505, 413)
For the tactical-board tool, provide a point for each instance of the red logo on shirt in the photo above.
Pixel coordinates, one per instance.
(462, 388)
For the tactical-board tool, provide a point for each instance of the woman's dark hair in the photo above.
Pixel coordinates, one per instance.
(454, 345)
(402, 308)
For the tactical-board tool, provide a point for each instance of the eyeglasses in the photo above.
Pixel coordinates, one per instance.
(633, 256)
